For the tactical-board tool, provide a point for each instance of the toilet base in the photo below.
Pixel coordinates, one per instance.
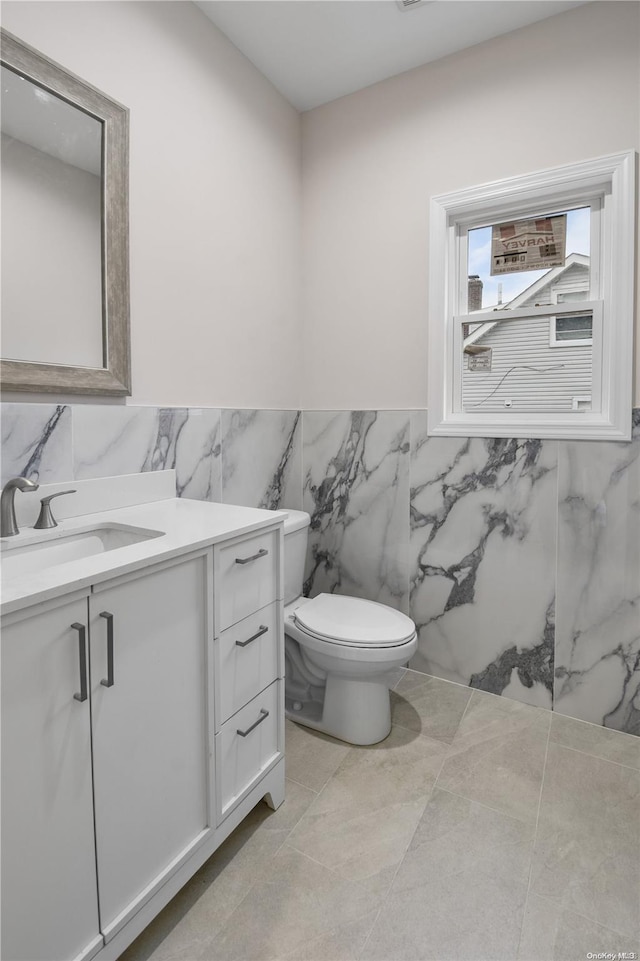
(355, 710)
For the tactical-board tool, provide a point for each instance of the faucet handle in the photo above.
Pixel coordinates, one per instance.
(46, 518)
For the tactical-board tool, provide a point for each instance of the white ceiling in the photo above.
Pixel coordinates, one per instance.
(314, 51)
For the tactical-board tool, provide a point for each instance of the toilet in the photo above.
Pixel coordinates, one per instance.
(339, 652)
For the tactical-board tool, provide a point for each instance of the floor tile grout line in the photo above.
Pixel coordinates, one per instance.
(325, 867)
(580, 721)
(331, 931)
(546, 710)
(427, 737)
(395, 873)
(605, 927)
(501, 738)
(275, 853)
(409, 843)
(487, 807)
(535, 839)
(464, 713)
(597, 757)
(302, 784)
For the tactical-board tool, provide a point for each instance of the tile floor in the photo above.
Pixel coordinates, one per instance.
(481, 828)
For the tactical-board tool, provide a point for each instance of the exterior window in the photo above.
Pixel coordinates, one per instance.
(531, 305)
(572, 330)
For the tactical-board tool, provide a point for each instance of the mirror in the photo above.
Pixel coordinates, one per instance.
(65, 262)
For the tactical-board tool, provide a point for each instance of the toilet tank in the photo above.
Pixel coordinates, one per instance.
(296, 530)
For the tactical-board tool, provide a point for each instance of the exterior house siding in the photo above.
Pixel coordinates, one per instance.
(522, 343)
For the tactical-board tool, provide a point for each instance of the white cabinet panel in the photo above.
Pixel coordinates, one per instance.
(248, 743)
(49, 891)
(247, 659)
(150, 742)
(247, 576)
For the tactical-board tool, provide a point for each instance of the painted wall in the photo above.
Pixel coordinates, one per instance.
(556, 92)
(214, 192)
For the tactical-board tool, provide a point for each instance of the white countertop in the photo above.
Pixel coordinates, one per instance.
(186, 525)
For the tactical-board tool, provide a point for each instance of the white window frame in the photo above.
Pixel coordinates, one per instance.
(609, 179)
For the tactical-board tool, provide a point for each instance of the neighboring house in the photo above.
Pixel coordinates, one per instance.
(497, 354)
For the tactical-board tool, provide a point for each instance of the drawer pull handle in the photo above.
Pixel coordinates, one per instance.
(263, 630)
(254, 557)
(82, 653)
(108, 681)
(263, 716)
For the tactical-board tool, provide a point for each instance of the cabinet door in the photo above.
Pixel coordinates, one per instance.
(49, 891)
(150, 741)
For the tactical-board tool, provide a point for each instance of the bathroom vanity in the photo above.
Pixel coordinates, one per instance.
(142, 712)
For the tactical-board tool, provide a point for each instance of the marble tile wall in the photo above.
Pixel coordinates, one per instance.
(482, 561)
(597, 655)
(248, 457)
(519, 560)
(356, 489)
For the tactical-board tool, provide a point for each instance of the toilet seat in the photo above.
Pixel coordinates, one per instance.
(353, 622)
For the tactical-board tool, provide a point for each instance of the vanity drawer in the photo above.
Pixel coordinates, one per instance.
(247, 659)
(248, 743)
(247, 572)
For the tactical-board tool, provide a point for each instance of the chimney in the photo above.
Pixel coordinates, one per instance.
(474, 297)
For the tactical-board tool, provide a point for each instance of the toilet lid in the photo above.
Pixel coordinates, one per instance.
(351, 620)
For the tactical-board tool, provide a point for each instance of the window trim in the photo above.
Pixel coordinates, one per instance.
(612, 178)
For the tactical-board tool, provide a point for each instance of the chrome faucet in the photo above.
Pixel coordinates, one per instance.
(46, 518)
(8, 522)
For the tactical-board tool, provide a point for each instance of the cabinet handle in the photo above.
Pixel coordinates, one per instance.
(254, 557)
(108, 681)
(263, 716)
(263, 630)
(82, 652)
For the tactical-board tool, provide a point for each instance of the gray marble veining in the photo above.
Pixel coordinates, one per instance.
(483, 561)
(127, 440)
(356, 489)
(112, 440)
(597, 673)
(261, 460)
(36, 442)
(188, 440)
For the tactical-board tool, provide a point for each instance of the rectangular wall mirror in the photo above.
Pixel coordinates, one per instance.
(64, 222)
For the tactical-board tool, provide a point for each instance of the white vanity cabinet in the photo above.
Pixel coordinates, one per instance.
(133, 718)
(142, 719)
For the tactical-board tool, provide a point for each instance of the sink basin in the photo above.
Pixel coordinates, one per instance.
(43, 553)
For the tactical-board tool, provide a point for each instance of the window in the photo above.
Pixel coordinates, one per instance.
(572, 330)
(531, 305)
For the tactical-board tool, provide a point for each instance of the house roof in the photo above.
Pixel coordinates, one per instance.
(549, 277)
